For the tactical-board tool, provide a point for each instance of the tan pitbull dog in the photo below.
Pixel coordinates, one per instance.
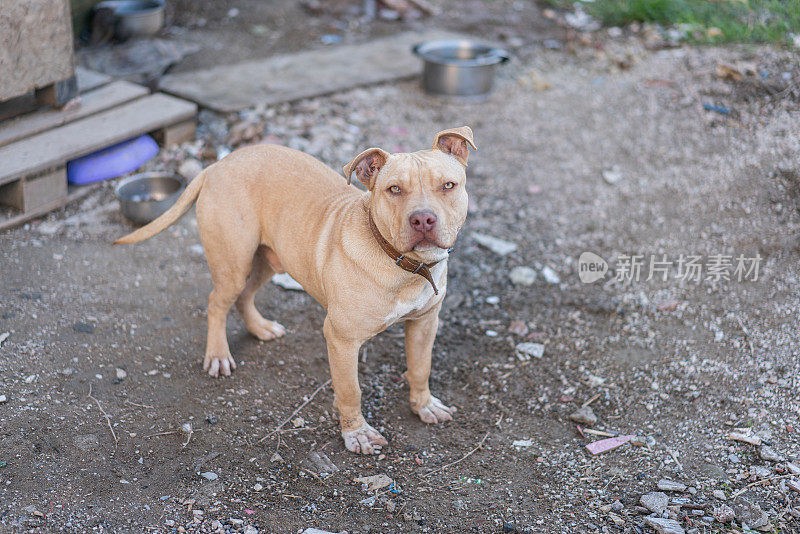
(268, 209)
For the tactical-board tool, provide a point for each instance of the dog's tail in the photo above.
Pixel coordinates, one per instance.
(180, 207)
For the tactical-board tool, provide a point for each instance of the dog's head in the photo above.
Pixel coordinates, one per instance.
(418, 200)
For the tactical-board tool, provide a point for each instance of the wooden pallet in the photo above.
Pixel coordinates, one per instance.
(35, 148)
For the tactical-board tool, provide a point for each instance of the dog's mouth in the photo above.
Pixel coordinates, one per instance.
(427, 242)
(425, 245)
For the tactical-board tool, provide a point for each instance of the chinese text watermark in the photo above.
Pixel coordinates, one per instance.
(684, 267)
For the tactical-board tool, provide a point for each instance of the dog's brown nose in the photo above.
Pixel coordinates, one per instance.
(422, 220)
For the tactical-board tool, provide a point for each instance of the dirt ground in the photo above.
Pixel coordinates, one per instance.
(681, 365)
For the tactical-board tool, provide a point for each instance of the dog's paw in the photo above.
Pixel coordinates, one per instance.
(364, 440)
(219, 364)
(436, 412)
(266, 330)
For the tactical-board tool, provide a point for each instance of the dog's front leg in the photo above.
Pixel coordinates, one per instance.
(420, 334)
(359, 437)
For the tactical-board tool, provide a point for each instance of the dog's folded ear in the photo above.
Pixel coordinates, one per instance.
(367, 165)
(454, 142)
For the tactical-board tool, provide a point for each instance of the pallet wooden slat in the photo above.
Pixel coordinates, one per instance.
(90, 79)
(94, 101)
(35, 191)
(72, 195)
(54, 147)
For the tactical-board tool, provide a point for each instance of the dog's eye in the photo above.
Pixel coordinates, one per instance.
(394, 189)
(449, 185)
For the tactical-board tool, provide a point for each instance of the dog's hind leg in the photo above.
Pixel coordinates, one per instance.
(262, 271)
(229, 252)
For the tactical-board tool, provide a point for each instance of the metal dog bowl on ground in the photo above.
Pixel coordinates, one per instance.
(459, 67)
(145, 196)
(136, 18)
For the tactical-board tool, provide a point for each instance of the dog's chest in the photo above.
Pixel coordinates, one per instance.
(406, 307)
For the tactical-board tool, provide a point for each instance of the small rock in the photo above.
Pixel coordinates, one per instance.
(655, 502)
(527, 349)
(670, 485)
(793, 468)
(612, 176)
(322, 463)
(250, 529)
(209, 475)
(235, 521)
(744, 438)
(760, 472)
(550, 276)
(518, 327)
(3, 399)
(374, 482)
(287, 282)
(719, 494)
(769, 454)
(584, 416)
(215, 525)
(617, 520)
(498, 246)
(276, 458)
(190, 168)
(734, 458)
(793, 485)
(197, 249)
(522, 276)
(83, 328)
(617, 506)
(121, 373)
(258, 487)
(750, 513)
(494, 299)
(723, 513)
(638, 441)
(664, 526)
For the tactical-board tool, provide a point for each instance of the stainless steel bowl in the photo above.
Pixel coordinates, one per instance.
(145, 196)
(459, 67)
(136, 18)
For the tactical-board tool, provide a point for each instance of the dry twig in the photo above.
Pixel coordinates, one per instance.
(429, 473)
(296, 411)
(760, 483)
(106, 416)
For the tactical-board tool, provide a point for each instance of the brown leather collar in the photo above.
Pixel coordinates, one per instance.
(405, 263)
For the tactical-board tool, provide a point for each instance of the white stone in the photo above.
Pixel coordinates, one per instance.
(496, 245)
(527, 349)
(522, 276)
(287, 282)
(550, 276)
(664, 526)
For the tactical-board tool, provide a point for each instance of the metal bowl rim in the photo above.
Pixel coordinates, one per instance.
(126, 8)
(494, 56)
(143, 176)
